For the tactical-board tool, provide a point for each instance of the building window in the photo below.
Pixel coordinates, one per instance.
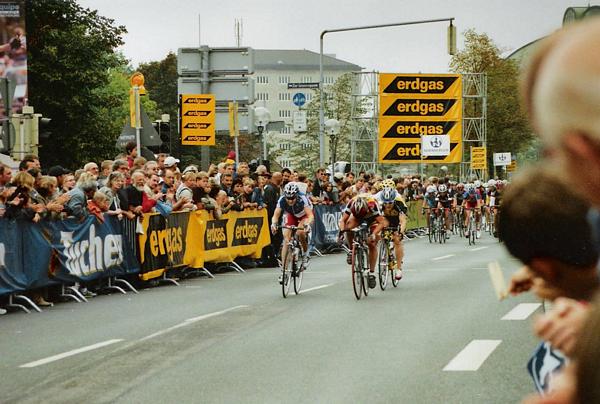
(305, 146)
(262, 96)
(308, 96)
(284, 163)
(328, 80)
(285, 97)
(285, 113)
(285, 146)
(284, 79)
(262, 79)
(306, 79)
(286, 130)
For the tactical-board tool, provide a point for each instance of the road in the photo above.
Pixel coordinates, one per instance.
(235, 339)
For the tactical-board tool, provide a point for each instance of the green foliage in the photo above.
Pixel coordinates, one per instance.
(161, 84)
(507, 128)
(71, 57)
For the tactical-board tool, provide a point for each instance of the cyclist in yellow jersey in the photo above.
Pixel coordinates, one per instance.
(364, 208)
(394, 210)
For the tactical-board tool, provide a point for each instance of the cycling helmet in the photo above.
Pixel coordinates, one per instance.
(469, 187)
(491, 183)
(477, 183)
(291, 190)
(430, 189)
(359, 207)
(442, 188)
(389, 183)
(460, 185)
(388, 195)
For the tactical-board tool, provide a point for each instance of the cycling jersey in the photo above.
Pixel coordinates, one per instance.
(430, 200)
(392, 211)
(471, 199)
(444, 200)
(460, 197)
(297, 209)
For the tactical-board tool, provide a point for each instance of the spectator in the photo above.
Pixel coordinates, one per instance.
(132, 153)
(227, 184)
(18, 204)
(78, 196)
(286, 174)
(68, 183)
(171, 163)
(92, 169)
(168, 181)
(139, 201)
(151, 167)
(251, 197)
(138, 163)
(160, 160)
(118, 204)
(318, 182)
(105, 170)
(185, 189)
(201, 197)
(59, 173)
(212, 171)
(48, 197)
(98, 205)
(350, 177)
(35, 159)
(5, 176)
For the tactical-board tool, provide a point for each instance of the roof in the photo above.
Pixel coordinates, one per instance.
(298, 59)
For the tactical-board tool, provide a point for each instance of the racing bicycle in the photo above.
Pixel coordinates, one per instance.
(360, 260)
(291, 265)
(387, 258)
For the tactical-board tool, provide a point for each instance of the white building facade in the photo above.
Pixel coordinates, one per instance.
(274, 71)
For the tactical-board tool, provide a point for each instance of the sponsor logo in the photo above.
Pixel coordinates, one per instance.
(166, 242)
(196, 138)
(197, 113)
(415, 129)
(2, 255)
(216, 235)
(331, 221)
(92, 255)
(419, 107)
(419, 85)
(247, 230)
(197, 100)
(412, 152)
(197, 125)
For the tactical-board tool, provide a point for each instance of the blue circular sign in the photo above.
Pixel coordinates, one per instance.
(299, 99)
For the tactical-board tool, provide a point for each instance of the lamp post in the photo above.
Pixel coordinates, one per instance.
(332, 128)
(451, 50)
(262, 117)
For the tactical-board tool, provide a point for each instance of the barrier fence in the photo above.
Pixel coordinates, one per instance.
(35, 255)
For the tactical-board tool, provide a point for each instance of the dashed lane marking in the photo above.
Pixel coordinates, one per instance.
(316, 288)
(478, 248)
(472, 356)
(70, 353)
(522, 311)
(443, 257)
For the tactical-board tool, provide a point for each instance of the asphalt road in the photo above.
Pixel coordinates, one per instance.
(235, 339)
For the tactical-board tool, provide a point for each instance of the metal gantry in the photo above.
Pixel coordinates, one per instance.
(365, 117)
(474, 121)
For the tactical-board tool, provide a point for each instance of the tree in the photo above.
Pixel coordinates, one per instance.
(507, 128)
(71, 57)
(338, 105)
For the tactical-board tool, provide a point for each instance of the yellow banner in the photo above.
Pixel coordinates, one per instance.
(197, 113)
(512, 167)
(442, 108)
(233, 119)
(411, 130)
(393, 151)
(478, 158)
(420, 84)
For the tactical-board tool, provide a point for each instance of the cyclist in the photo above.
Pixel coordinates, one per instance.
(298, 212)
(394, 210)
(363, 208)
(444, 203)
(430, 200)
(472, 200)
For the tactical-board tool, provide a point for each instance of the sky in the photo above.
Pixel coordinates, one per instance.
(156, 27)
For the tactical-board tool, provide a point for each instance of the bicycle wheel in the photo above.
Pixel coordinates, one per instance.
(470, 230)
(357, 277)
(299, 272)
(430, 232)
(383, 264)
(365, 270)
(392, 251)
(286, 280)
(473, 233)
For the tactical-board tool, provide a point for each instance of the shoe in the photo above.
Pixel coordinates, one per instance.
(372, 281)
(40, 301)
(2, 311)
(478, 234)
(281, 278)
(349, 259)
(87, 293)
(305, 261)
(398, 274)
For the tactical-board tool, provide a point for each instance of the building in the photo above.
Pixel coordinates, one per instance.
(274, 70)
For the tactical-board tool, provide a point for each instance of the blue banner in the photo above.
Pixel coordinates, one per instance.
(326, 227)
(90, 250)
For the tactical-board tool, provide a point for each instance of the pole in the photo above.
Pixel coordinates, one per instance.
(138, 126)
(204, 83)
(264, 133)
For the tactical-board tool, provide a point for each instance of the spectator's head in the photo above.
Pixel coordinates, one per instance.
(227, 180)
(189, 179)
(35, 159)
(190, 169)
(36, 174)
(153, 182)
(5, 174)
(228, 169)
(276, 178)
(138, 163)
(221, 167)
(138, 180)
(261, 181)
(160, 159)
(212, 170)
(106, 168)
(220, 197)
(238, 186)
(243, 169)
(68, 182)
(350, 177)
(169, 178)
(553, 239)
(87, 183)
(26, 164)
(171, 162)
(115, 181)
(151, 167)
(319, 173)
(47, 186)
(202, 181)
(131, 149)
(248, 185)
(121, 166)
(23, 179)
(286, 174)
(92, 168)
(102, 201)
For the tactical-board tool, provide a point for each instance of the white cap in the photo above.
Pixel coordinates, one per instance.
(190, 169)
(171, 161)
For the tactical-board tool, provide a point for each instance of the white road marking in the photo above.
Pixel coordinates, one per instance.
(190, 321)
(70, 353)
(443, 257)
(521, 311)
(478, 248)
(473, 355)
(316, 288)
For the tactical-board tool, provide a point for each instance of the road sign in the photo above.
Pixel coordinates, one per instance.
(502, 159)
(299, 121)
(299, 99)
(292, 86)
(197, 112)
(225, 89)
(512, 167)
(415, 106)
(435, 145)
(222, 61)
(478, 158)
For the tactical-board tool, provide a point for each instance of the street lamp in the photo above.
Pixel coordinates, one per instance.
(451, 50)
(332, 129)
(262, 117)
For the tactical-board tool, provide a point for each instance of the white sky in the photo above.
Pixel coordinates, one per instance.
(158, 26)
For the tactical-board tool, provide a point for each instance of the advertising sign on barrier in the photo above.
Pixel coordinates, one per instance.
(326, 227)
